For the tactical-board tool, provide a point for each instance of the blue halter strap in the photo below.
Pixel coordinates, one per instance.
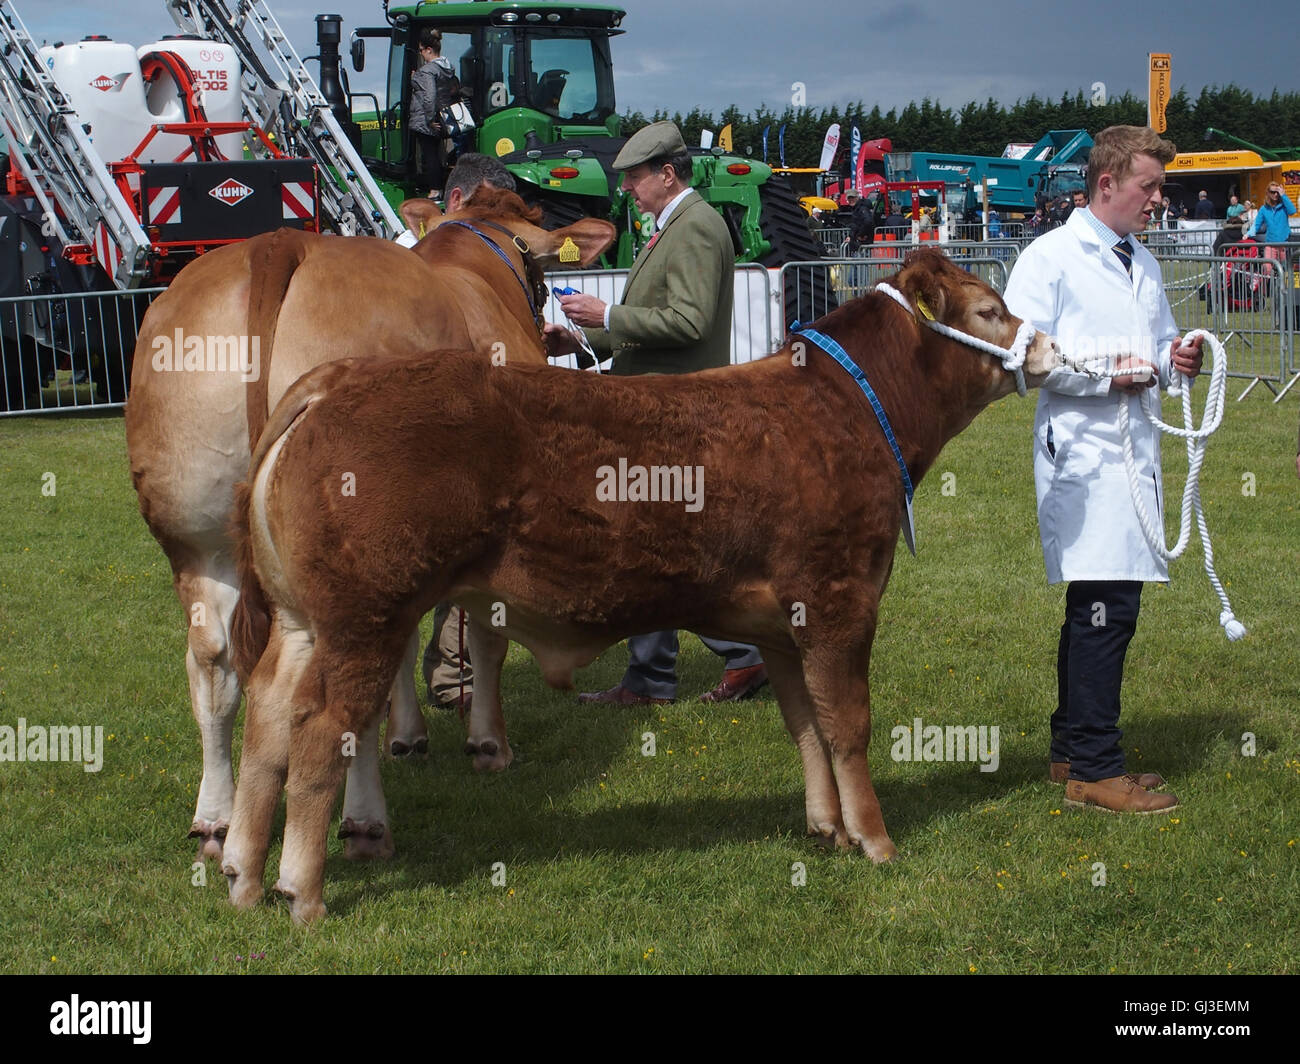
(532, 305)
(841, 356)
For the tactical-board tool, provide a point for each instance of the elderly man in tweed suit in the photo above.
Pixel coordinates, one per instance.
(674, 317)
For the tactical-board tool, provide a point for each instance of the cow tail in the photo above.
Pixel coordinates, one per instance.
(251, 624)
(250, 628)
(274, 259)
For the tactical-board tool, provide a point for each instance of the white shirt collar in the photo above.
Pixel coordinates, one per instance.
(669, 207)
(1108, 237)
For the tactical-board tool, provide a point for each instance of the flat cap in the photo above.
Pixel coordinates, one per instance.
(655, 141)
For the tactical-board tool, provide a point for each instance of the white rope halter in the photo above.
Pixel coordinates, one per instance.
(1013, 357)
(1196, 438)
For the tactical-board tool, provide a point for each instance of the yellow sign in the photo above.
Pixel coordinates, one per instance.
(505, 146)
(569, 251)
(1161, 65)
(1216, 160)
(724, 138)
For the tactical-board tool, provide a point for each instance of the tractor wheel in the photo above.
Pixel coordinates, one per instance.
(808, 293)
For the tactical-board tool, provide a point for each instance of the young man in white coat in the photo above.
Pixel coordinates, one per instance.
(1100, 293)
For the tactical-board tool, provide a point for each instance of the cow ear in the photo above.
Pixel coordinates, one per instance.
(579, 244)
(920, 283)
(421, 215)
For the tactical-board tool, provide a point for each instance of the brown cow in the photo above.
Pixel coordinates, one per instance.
(295, 300)
(786, 509)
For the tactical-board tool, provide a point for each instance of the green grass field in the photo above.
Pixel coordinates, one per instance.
(683, 862)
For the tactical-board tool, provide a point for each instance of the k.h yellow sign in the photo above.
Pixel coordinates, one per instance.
(1161, 69)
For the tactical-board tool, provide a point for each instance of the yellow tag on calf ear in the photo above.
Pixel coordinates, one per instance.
(421, 228)
(569, 251)
(925, 310)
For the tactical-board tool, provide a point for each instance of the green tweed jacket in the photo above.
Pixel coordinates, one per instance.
(675, 315)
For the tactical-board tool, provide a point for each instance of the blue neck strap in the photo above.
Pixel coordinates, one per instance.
(855, 371)
(502, 256)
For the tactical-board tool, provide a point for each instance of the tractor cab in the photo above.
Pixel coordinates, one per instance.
(533, 75)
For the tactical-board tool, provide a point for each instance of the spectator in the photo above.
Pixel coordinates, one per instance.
(433, 88)
(1080, 197)
(1204, 209)
(674, 317)
(1248, 215)
(1272, 224)
(1088, 284)
(861, 222)
(1235, 208)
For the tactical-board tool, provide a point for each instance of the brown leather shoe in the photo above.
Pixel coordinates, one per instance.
(1118, 794)
(1059, 772)
(738, 684)
(622, 696)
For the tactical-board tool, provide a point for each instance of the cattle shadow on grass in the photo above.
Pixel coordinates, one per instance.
(451, 825)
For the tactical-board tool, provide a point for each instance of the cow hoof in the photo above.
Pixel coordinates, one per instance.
(399, 748)
(832, 836)
(880, 850)
(303, 910)
(488, 755)
(245, 892)
(212, 834)
(365, 840)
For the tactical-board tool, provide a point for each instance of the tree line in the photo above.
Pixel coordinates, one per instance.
(986, 129)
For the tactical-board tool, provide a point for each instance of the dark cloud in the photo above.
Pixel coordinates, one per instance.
(679, 54)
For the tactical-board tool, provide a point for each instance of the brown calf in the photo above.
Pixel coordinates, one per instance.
(492, 486)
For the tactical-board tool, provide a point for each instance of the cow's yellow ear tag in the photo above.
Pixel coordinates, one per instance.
(926, 312)
(421, 228)
(569, 251)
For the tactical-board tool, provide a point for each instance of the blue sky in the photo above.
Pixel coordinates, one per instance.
(677, 54)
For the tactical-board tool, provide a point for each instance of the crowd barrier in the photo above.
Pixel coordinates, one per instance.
(67, 352)
(73, 352)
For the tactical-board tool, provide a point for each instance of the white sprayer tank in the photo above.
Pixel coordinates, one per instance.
(101, 79)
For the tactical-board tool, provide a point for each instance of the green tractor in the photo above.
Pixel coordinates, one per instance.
(540, 82)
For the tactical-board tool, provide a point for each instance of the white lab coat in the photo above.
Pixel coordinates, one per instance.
(1069, 285)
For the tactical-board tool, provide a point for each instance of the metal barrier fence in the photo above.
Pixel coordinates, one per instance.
(68, 352)
(73, 351)
(1248, 303)
(817, 288)
(754, 307)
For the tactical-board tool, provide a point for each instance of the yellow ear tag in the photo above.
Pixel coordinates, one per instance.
(925, 311)
(421, 229)
(569, 251)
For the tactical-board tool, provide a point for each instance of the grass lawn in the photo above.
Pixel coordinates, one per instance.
(684, 861)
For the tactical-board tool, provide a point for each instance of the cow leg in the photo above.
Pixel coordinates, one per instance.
(364, 824)
(406, 729)
(487, 727)
(821, 796)
(265, 760)
(208, 592)
(837, 682)
(352, 703)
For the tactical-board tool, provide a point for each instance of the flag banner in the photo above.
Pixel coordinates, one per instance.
(1158, 89)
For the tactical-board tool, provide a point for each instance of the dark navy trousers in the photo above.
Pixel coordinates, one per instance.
(652, 661)
(1100, 619)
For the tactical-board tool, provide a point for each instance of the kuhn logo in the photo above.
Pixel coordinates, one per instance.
(104, 83)
(231, 192)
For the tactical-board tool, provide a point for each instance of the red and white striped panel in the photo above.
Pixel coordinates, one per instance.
(165, 206)
(299, 199)
(107, 253)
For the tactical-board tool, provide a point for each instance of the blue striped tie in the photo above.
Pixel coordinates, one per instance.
(1125, 252)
